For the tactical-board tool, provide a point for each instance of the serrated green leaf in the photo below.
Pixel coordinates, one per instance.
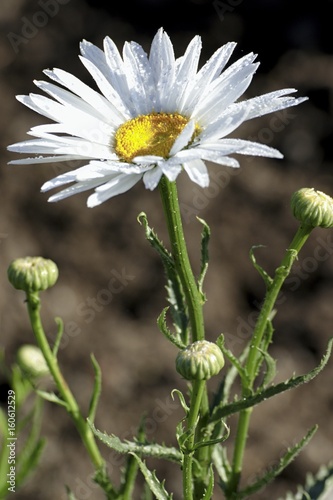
(146, 449)
(205, 237)
(261, 395)
(221, 463)
(154, 484)
(174, 338)
(273, 472)
(317, 487)
(174, 288)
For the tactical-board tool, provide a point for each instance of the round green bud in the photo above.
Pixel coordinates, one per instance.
(313, 208)
(200, 361)
(31, 361)
(32, 274)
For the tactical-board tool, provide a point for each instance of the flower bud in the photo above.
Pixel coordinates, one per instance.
(32, 274)
(313, 208)
(31, 361)
(200, 361)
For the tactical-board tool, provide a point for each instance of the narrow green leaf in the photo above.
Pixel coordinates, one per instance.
(25, 468)
(267, 279)
(154, 484)
(96, 390)
(211, 442)
(146, 449)
(261, 395)
(52, 397)
(210, 487)
(276, 470)
(233, 360)
(60, 332)
(181, 400)
(205, 237)
(131, 469)
(270, 369)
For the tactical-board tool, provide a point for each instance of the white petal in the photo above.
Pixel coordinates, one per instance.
(122, 167)
(95, 100)
(184, 75)
(225, 94)
(184, 138)
(139, 78)
(46, 159)
(62, 146)
(170, 168)
(269, 103)
(118, 185)
(162, 61)
(205, 76)
(84, 125)
(184, 70)
(106, 88)
(116, 71)
(218, 157)
(225, 125)
(152, 178)
(197, 172)
(71, 190)
(147, 159)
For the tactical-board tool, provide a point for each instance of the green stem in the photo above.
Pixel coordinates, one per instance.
(198, 389)
(253, 360)
(168, 191)
(72, 407)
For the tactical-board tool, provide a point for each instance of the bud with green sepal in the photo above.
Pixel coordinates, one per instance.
(312, 208)
(200, 361)
(32, 274)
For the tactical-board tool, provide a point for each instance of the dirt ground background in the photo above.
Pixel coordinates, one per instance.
(246, 207)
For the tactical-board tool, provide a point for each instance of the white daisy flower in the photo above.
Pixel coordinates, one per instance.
(156, 115)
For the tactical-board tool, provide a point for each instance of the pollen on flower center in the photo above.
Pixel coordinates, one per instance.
(152, 134)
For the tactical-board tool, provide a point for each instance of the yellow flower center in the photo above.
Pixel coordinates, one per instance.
(152, 134)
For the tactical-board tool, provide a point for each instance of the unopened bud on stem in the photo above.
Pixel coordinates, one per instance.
(32, 274)
(200, 361)
(312, 208)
